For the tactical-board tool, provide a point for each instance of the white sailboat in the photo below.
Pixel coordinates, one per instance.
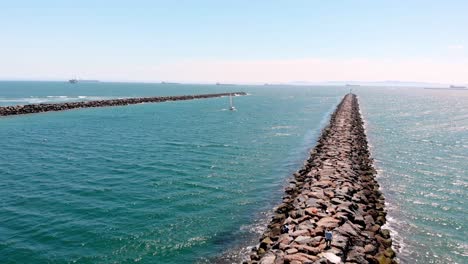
(231, 107)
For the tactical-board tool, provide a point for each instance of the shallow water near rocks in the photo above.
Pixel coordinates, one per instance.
(185, 182)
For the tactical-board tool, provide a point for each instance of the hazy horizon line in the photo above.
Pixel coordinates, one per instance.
(293, 83)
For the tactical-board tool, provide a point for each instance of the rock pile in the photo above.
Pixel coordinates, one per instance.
(38, 108)
(335, 190)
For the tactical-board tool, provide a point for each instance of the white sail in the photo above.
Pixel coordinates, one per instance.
(231, 105)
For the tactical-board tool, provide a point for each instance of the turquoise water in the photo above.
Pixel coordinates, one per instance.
(185, 182)
(174, 182)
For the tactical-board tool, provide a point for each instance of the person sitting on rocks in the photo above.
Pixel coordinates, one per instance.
(328, 237)
(284, 229)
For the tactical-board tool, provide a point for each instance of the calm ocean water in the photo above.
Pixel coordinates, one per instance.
(185, 182)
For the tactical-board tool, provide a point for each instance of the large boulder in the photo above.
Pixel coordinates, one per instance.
(269, 258)
(330, 257)
(328, 222)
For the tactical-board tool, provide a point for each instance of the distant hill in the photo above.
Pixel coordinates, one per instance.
(377, 83)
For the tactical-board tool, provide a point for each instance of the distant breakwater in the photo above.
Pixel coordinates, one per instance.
(336, 190)
(39, 108)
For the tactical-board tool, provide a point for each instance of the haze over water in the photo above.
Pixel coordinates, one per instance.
(183, 182)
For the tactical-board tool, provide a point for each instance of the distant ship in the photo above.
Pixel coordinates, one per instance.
(84, 81)
(457, 87)
(451, 87)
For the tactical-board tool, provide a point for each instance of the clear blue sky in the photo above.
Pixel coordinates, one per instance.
(240, 41)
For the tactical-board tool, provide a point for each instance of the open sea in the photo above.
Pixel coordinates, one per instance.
(192, 182)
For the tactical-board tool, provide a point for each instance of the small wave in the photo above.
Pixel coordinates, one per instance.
(251, 233)
(418, 202)
(28, 100)
(281, 127)
(460, 183)
(57, 96)
(191, 242)
(393, 224)
(463, 250)
(198, 239)
(282, 134)
(49, 99)
(96, 97)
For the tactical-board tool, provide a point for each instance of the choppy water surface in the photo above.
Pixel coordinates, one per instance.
(420, 143)
(184, 182)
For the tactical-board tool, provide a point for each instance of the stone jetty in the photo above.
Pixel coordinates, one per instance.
(335, 190)
(39, 108)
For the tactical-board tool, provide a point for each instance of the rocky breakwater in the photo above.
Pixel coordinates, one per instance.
(38, 108)
(335, 190)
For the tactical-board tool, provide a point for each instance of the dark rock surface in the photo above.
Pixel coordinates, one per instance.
(335, 189)
(38, 108)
